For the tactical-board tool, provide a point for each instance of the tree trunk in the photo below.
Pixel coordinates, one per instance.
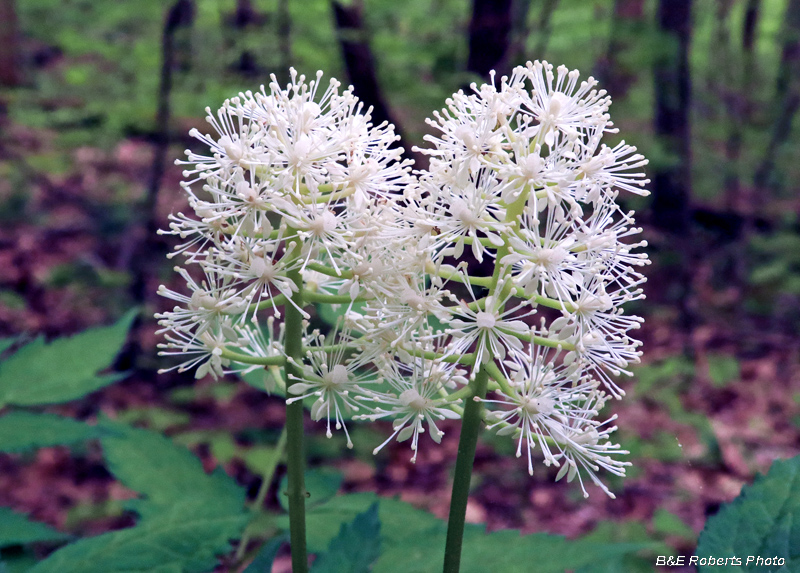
(284, 23)
(360, 65)
(489, 37)
(519, 33)
(544, 28)
(750, 25)
(627, 26)
(671, 184)
(10, 75)
(787, 95)
(145, 247)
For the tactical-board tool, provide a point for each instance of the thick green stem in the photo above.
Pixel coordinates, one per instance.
(473, 415)
(295, 456)
(470, 428)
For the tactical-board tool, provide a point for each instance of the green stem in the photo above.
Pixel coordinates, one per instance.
(473, 416)
(470, 428)
(295, 456)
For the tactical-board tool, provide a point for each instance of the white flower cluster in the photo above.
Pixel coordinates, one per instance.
(302, 198)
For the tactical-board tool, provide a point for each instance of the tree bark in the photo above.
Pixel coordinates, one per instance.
(627, 25)
(750, 26)
(787, 95)
(544, 28)
(489, 37)
(361, 69)
(671, 184)
(10, 75)
(144, 246)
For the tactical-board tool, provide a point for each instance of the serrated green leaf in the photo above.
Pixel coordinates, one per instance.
(263, 561)
(63, 370)
(505, 551)
(164, 473)
(413, 541)
(20, 431)
(180, 540)
(355, 548)
(763, 520)
(17, 529)
(398, 519)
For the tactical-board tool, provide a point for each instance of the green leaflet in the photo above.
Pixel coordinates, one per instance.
(20, 431)
(17, 529)
(188, 517)
(356, 547)
(66, 369)
(179, 540)
(263, 561)
(763, 521)
(165, 474)
(413, 541)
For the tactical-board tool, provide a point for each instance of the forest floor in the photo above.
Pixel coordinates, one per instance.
(699, 423)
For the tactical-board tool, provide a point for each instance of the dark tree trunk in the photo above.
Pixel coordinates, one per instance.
(750, 25)
(671, 184)
(627, 26)
(284, 23)
(727, 87)
(360, 65)
(10, 75)
(787, 95)
(144, 246)
(544, 28)
(520, 31)
(489, 37)
(246, 17)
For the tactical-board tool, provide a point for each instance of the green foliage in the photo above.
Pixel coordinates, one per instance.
(187, 517)
(154, 417)
(178, 540)
(321, 485)
(776, 270)
(623, 532)
(664, 383)
(263, 561)
(723, 369)
(21, 431)
(16, 529)
(65, 369)
(164, 474)
(761, 521)
(355, 548)
(6, 343)
(413, 540)
(667, 523)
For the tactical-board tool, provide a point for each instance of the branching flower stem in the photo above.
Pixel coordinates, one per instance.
(473, 416)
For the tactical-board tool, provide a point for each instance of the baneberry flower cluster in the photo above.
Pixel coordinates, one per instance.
(300, 199)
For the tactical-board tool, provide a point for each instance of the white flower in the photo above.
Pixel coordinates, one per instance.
(493, 327)
(544, 398)
(333, 379)
(413, 403)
